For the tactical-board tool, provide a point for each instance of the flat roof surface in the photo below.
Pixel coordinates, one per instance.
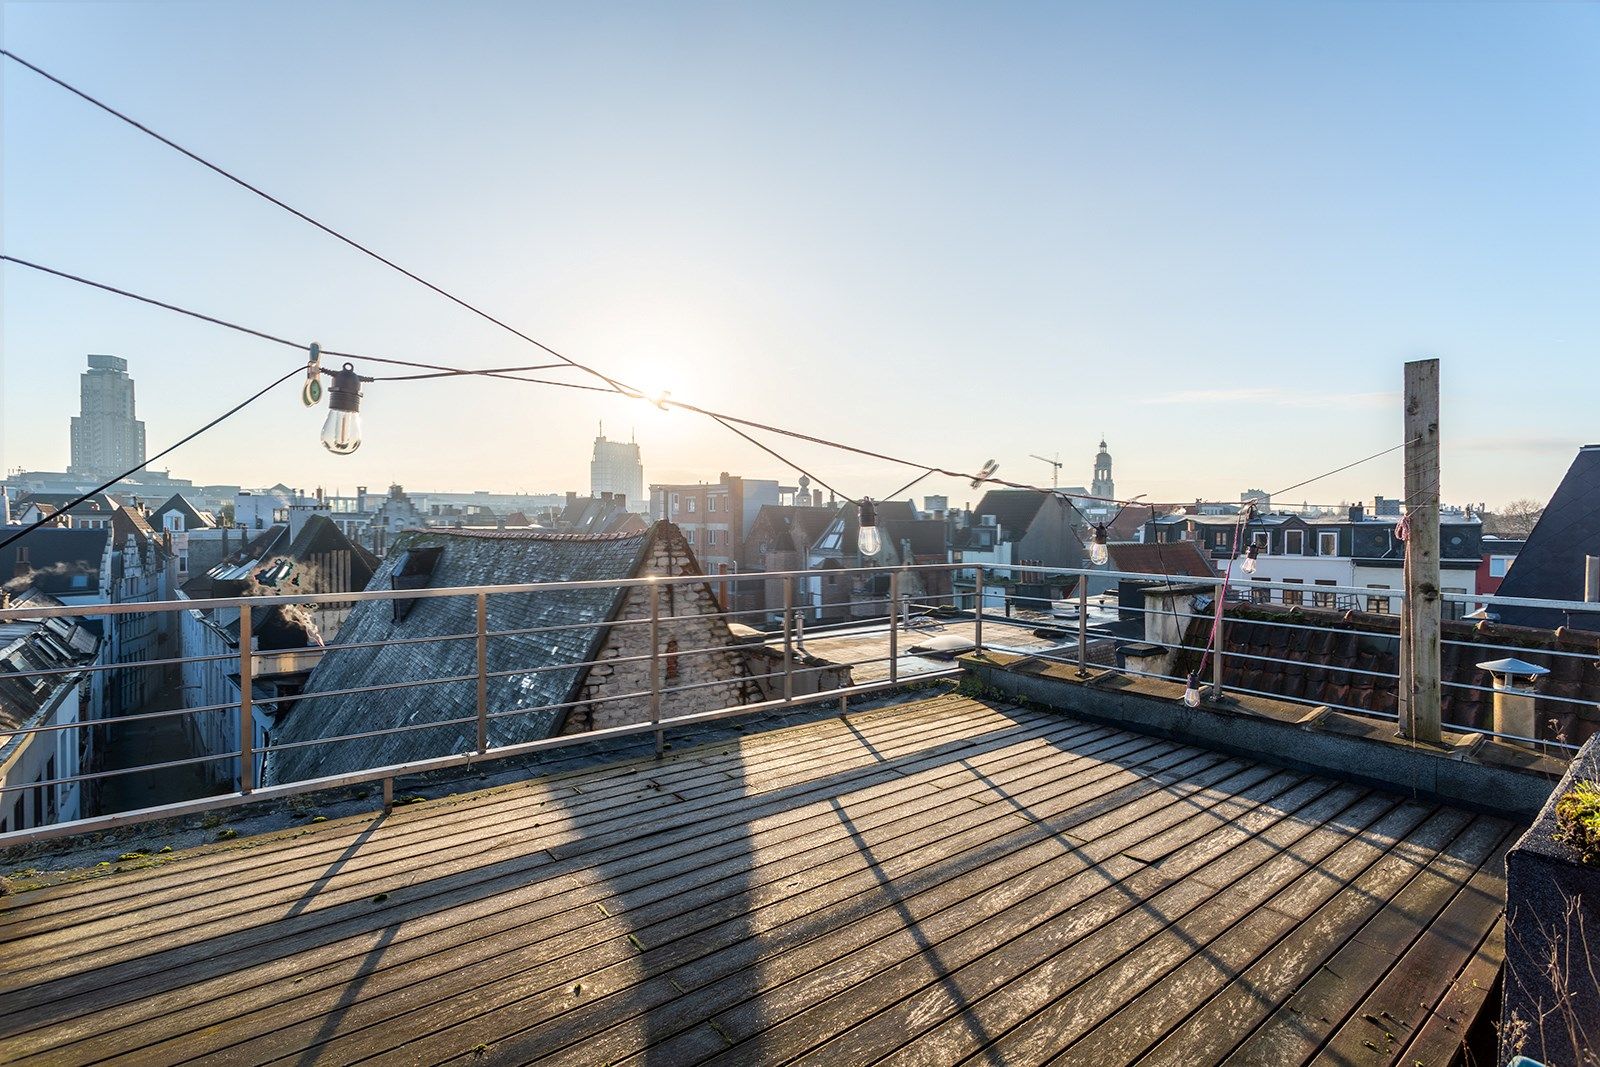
(929, 882)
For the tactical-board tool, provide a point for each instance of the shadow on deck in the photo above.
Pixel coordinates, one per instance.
(929, 882)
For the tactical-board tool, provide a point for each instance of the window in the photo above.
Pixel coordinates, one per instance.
(1327, 542)
(711, 503)
(688, 535)
(674, 503)
(1325, 600)
(1263, 541)
(1378, 604)
(692, 503)
(1294, 542)
(1219, 539)
(1454, 609)
(1498, 565)
(1262, 595)
(1294, 596)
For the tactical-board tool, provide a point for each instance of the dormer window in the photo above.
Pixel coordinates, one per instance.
(413, 570)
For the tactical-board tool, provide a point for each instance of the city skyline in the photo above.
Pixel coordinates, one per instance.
(889, 292)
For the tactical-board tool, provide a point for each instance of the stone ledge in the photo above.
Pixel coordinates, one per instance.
(1465, 770)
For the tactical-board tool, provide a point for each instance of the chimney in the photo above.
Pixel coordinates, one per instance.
(1357, 513)
(572, 498)
(22, 568)
(1514, 698)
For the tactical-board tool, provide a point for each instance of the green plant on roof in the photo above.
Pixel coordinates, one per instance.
(1578, 820)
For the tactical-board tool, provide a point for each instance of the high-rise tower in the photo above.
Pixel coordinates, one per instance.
(618, 468)
(106, 438)
(1103, 485)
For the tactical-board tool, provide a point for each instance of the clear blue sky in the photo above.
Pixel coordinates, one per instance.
(1212, 231)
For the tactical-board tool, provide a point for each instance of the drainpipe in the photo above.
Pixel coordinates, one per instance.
(1514, 698)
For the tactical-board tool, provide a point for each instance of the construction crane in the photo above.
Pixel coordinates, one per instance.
(1055, 468)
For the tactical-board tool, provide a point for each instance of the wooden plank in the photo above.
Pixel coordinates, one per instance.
(1145, 1019)
(686, 936)
(1380, 1027)
(1300, 1026)
(228, 865)
(735, 809)
(992, 1011)
(939, 921)
(1211, 1033)
(505, 906)
(688, 843)
(860, 987)
(572, 819)
(1443, 1035)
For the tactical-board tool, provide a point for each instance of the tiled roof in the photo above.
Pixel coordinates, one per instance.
(1315, 665)
(469, 557)
(1550, 564)
(1175, 558)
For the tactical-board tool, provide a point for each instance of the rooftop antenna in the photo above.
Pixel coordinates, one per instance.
(1055, 468)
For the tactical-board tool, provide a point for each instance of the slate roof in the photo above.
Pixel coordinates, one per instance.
(57, 556)
(1550, 564)
(1014, 509)
(1312, 664)
(37, 645)
(927, 536)
(467, 558)
(1174, 558)
(97, 506)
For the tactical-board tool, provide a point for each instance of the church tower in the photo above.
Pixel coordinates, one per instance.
(1103, 485)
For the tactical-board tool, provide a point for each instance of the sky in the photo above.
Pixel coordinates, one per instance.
(1212, 233)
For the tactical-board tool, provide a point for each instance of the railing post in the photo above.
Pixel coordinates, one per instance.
(977, 611)
(1083, 626)
(247, 726)
(788, 639)
(483, 673)
(894, 626)
(1216, 650)
(655, 664)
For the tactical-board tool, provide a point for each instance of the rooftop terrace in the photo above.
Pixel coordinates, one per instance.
(941, 881)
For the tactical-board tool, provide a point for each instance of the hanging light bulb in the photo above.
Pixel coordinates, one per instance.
(1098, 553)
(1250, 555)
(1191, 691)
(868, 538)
(341, 431)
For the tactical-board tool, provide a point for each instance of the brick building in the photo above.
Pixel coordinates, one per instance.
(714, 517)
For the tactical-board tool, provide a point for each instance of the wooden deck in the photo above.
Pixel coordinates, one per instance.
(936, 882)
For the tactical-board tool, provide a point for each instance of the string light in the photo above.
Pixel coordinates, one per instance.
(1191, 690)
(1250, 555)
(868, 539)
(1098, 552)
(341, 430)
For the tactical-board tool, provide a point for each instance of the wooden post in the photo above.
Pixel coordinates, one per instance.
(1420, 692)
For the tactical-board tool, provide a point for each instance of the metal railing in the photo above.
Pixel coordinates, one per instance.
(797, 680)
